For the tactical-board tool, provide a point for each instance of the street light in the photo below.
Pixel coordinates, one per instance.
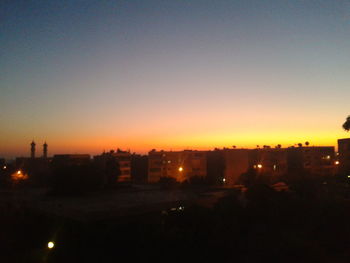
(50, 245)
(259, 166)
(181, 169)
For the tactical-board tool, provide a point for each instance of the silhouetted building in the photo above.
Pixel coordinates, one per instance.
(139, 168)
(236, 163)
(2, 163)
(315, 160)
(32, 150)
(123, 158)
(344, 156)
(181, 165)
(45, 150)
(215, 166)
(71, 159)
(37, 168)
(228, 165)
(270, 161)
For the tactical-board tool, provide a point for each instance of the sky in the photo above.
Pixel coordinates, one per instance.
(87, 76)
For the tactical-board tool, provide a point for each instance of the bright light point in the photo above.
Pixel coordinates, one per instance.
(5, 167)
(336, 162)
(50, 245)
(224, 180)
(180, 169)
(259, 166)
(348, 176)
(19, 172)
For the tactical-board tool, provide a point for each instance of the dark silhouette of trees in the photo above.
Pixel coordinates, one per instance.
(112, 171)
(346, 125)
(307, 143)
(248, 178)
(139, 168)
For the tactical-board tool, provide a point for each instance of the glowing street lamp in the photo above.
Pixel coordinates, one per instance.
(50, 245)
(336, 162)
(181, 169)
(18, 176)
(223, 180)
(259, 166)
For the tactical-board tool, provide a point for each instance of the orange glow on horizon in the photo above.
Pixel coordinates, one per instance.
(200, 135)
(96, 145)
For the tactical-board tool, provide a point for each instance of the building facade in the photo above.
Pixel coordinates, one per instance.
(122, 158)
(344, 156)
(180, 165)
(71, 159)
(315, 160)
(236, 162)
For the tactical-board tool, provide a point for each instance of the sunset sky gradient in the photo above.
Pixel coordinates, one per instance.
(92, 75)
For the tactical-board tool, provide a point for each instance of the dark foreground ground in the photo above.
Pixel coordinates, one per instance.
(262, 226)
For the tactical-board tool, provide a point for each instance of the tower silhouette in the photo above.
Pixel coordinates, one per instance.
(32, 149)
(45, 150)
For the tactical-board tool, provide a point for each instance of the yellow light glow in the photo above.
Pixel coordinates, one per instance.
(259, 166)
(181, 169)
(50, 245)
(5, 167)
(18, 176)
(336, 162)
(224, 180)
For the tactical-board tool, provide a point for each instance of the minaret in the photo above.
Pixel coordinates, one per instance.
(45, 150)
(32, 150)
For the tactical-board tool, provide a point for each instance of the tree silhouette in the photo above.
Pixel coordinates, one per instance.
(346, 125)
(307, 143)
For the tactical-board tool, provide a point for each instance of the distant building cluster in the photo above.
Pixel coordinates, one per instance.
(181, 165)
(218, 166)
(227, 165)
